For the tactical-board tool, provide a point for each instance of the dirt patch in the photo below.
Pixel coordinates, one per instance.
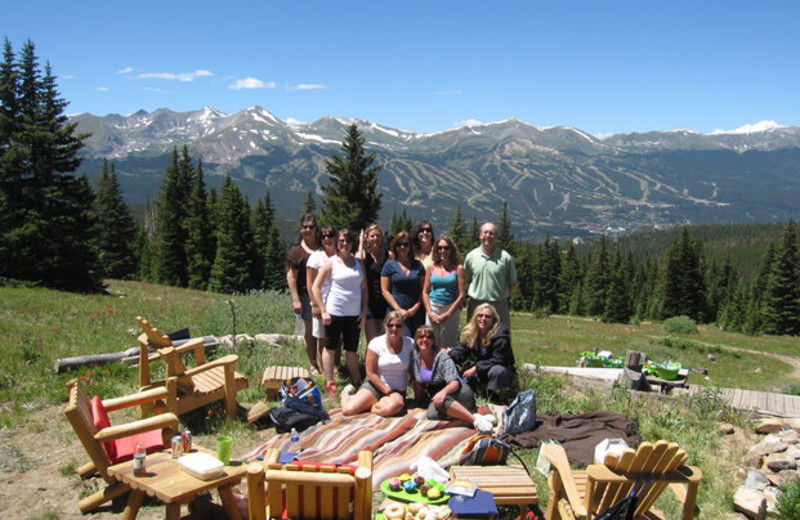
(37, 477)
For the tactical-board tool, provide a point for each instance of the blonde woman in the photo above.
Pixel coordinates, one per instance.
(313, 265)
(373, 253)
(485, 357)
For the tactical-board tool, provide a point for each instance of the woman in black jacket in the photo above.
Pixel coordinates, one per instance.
(485, 358)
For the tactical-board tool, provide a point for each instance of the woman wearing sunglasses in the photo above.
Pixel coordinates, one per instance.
(315, 261)
(374, 255)
(344, 309)
(402, 278)
(387, 361)
(485, 357)
(444, 292)
(422, 241)
(296, 261)
(436, 381)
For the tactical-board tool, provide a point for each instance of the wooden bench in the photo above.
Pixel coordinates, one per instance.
(510, 485)
(275, 375)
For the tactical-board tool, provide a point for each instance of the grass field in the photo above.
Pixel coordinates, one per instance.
(37, 326)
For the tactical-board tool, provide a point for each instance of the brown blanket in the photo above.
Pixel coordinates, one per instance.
(579, 433)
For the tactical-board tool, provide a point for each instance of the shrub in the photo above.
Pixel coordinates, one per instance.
(789, 502)
(791, 390)
(681, 325)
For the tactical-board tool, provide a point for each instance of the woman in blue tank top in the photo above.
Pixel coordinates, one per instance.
(443, 292)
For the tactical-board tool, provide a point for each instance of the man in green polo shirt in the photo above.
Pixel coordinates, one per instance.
(491, 275)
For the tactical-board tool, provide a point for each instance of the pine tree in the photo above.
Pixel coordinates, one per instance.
(781, 308)
(568, 279)
(171, 236)
(48, 230)
(505, 238)
(474, 237)
(116, 228)
(617, 308)
(270, 246)
(351, 199)
(200, 239)
(235, 263)
(399, 223)
(684, 283)
(598, 278)
(458, 231)
(309, 205)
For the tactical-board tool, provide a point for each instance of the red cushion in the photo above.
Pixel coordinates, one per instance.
(152, 442)
(100, 420)
(307, 465)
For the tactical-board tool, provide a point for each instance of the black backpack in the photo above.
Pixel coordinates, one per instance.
(285, 418)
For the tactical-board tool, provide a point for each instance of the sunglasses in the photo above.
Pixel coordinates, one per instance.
(442, 248)
(424, 336)
(402, 244)
(395, 325)
(426, 230)
(328, 235)
(345, 241)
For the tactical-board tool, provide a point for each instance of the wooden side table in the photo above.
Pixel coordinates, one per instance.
(166, 481)
(510, 485)
(275, 375)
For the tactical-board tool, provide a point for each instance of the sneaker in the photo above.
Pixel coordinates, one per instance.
(348, 390)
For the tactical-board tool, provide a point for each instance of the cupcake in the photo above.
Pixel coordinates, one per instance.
(424, 489)
(395, 484)
(434, 493)
(419, 479)
(410, 486)
(404, 477)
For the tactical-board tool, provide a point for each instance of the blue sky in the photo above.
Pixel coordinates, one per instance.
(602, 67)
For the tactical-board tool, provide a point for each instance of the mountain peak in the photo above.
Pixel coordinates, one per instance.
(761, 126)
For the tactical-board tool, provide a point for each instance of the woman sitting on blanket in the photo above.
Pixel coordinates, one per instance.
(436, 380)
(485, 358)
(387, 361)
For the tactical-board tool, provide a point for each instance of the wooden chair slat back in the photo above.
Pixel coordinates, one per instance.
(153, 335)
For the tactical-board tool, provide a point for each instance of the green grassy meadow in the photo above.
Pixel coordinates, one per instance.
(37, 326)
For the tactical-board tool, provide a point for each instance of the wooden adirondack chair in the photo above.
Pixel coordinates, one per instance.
(648, 471)
(106, 444)
(192, 388)
(310, 490)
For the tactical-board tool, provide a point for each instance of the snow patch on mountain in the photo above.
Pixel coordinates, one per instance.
(761, 126)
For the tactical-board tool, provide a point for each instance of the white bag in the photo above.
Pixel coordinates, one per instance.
(429, 469)
(606, 446)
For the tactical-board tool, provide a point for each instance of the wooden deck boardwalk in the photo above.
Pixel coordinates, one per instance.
(763, 403)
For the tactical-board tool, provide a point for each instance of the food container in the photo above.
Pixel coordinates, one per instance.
(202, 465)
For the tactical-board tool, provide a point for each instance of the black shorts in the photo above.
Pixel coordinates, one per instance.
(343, 329)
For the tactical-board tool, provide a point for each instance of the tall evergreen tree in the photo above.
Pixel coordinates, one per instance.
(116, 228)
(684, 283)
(200, 239)
(474, 236)
(399, 223)
(617, 308)
(458, 231)
(235, 263)
(352, 199)
(781, 308)
(598, 278)
(568, 279)
(171, 236)
(505, 238)
(270, 246)
(309, 205)
(48, 230)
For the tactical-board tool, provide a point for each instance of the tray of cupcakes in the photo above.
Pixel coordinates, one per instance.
(414, 489)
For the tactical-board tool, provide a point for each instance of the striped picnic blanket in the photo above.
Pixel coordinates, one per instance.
(396, 442)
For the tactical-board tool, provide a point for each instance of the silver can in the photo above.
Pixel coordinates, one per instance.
(177, 446)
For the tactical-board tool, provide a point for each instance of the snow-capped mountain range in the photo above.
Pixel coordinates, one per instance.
(560, 180)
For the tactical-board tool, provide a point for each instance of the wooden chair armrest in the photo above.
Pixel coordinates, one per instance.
(557, 457)
(230, 359)
(365, 459)
(145, 396)
(164, 420)
(193, 344)
(271, 459)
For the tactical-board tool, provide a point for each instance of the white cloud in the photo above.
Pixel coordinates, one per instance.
(310, 86)
(102, 89)
(250, 83)
(126, 70)
(183, 76)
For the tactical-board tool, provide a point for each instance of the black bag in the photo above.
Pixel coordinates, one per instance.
(520, 416)
(622, 510)
(284, 419)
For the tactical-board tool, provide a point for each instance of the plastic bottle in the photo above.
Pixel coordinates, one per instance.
(294, 441)
(139, 465)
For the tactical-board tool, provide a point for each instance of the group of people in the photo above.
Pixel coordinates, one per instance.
(408, 301)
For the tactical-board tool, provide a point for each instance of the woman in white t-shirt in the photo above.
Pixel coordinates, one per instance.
(388, 360)
(313, 265)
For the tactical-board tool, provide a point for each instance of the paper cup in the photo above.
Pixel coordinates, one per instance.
(224, 449)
